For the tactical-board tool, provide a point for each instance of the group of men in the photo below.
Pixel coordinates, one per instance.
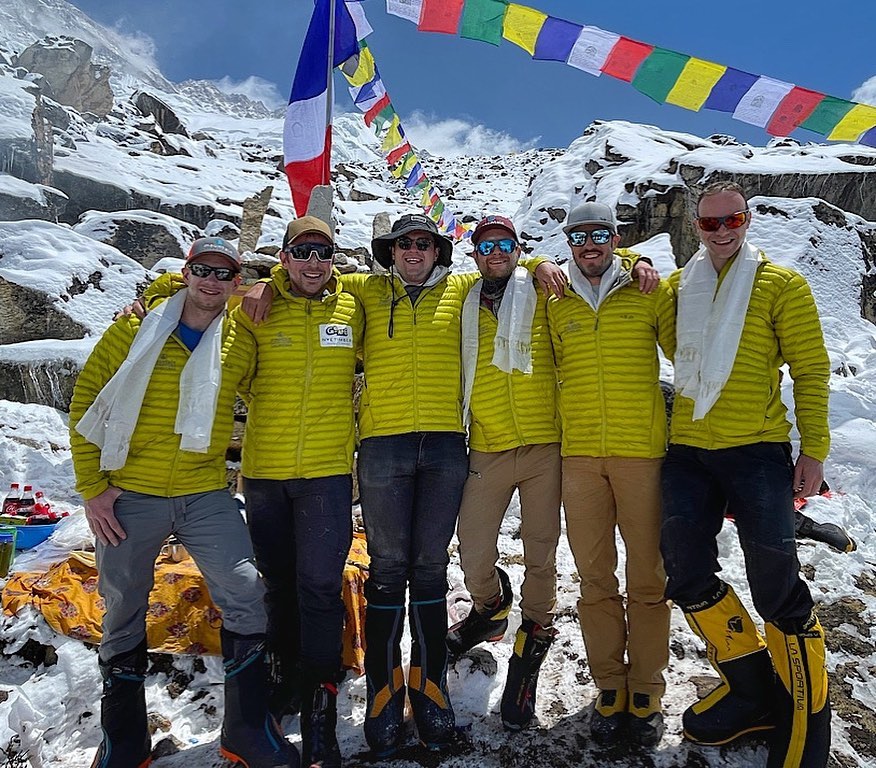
(559, 398)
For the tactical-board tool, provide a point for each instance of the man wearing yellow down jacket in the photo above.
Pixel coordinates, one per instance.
(740, 319)
(296, 467)
(605, 334)
(412, 466)
(514, 443)
(150, 421)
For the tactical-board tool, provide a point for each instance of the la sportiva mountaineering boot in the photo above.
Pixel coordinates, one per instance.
(319, 719)
(518, 699)
(250, 735)
(802, 735)
(488, 625)
(384, 677)
(427, 680)
(126, 742)
(742, 703)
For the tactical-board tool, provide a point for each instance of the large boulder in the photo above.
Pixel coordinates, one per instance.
(68, 75)
(57, 284)
(44, 371)
(145, 236)
(22, 200)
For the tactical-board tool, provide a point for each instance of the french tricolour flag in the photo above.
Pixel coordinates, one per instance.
(307, 132)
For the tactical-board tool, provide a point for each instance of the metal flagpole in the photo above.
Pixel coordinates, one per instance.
(320, 204)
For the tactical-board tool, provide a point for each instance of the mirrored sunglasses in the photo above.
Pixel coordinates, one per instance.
(224, 274)
(486, 247)
(731, 221)
(598, 236)
(422, 243)
(306, 251)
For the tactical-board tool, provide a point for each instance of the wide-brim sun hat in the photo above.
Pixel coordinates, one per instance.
(381, 247)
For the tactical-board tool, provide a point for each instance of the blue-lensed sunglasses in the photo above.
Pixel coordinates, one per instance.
(506, 245)
(598, 236)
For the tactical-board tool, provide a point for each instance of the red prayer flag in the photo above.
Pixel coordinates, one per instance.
(625, 58)
(398, 153)
(440, 16)
(378, 106)
(793, 110)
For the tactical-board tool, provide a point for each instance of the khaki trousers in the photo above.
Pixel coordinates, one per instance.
(599, 494)
(535, 471)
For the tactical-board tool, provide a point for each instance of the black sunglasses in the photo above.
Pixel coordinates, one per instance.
(223, 274)
(422, 243)
(305, 251)
(598, 236)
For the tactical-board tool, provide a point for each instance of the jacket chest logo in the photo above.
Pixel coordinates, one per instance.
(335, 335)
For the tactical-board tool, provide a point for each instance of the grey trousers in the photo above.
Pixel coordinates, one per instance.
(211, 528)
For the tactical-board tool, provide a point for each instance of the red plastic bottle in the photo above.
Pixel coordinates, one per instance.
(12, 502)
(43, 509)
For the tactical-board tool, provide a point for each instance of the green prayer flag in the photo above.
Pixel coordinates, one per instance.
(659, 72)
(482, 20)
(826, 115)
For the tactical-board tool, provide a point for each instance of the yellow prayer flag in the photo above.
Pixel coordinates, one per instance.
(364, 71)
(393, 136)
(409, 162)
(695, 83)
(522, 25)
(425, 197)
(858, 120)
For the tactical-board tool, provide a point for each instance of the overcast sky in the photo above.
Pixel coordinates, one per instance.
(453, 90)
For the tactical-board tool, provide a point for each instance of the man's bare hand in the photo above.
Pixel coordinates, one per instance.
(102, 519)
(808, 476)
(257, 302)
(551, 279)
(647, 276)
(136, 308)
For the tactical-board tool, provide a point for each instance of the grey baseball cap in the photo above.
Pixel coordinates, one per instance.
(218, 245)
(591, 213)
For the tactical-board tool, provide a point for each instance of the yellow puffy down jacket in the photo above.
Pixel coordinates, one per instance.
(413, 374)
(509, 410)
(155, 463)
(300, 422)
(781, 326)
(610, 401)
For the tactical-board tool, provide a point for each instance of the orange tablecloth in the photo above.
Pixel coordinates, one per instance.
(181, 617)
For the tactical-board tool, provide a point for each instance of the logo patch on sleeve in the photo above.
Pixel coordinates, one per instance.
(335, 335)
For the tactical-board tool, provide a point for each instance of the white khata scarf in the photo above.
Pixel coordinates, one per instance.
(110, 420)
(710, 325)
(512, 346)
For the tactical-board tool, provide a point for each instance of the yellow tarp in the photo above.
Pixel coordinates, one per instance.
(181, 617)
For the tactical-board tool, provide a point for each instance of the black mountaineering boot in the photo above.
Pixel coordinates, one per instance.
(250, 735)
(518, 699)
(609, 717)
(319, 719)
(427, 681)
(126, 742)
(488, 625)
(384, 678)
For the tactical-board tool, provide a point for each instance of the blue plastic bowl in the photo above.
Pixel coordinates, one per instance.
(28, 536)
